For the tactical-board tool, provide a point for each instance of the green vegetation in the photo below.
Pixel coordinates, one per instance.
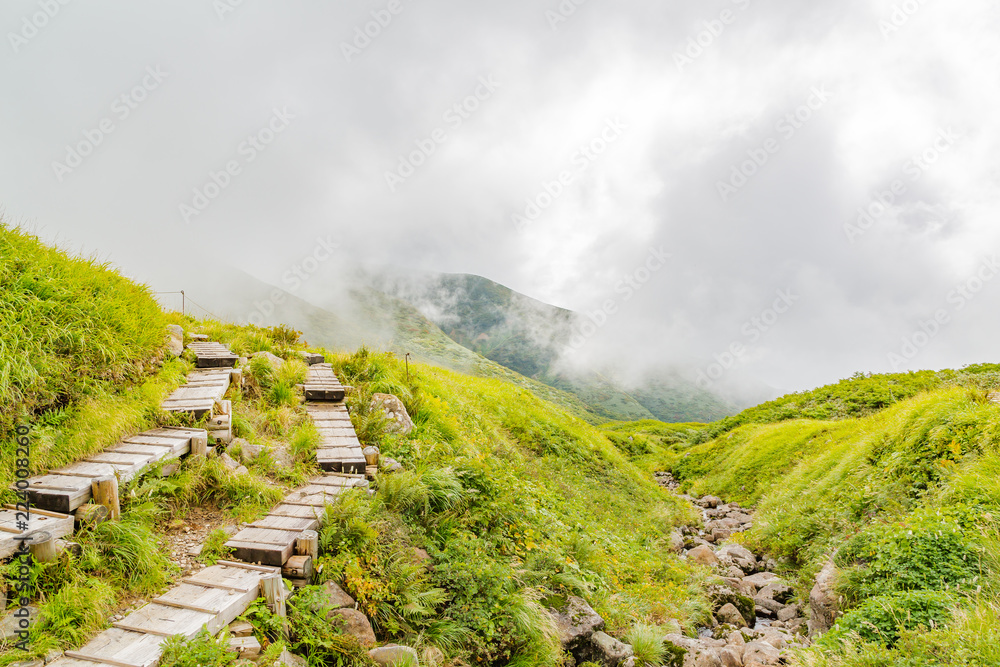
(906, 500)
(201, 651)
(69, 326)
(509, 500)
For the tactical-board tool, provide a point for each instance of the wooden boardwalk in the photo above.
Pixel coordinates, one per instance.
(199, 396)
(65, 489)
(271, 540)
(11, 525)
(212, 355)
(322, 385)
(339, 450)
(212, 598)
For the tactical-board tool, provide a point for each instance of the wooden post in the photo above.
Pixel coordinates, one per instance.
(44, 552)
(199, 446)
(371, 455)
(105, 492)
(308, 544)
(91, 514)
(272, 589)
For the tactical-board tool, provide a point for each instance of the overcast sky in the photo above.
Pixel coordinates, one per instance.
(560, 148)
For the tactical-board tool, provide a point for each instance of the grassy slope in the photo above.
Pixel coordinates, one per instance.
(78, 353)
(908, 498)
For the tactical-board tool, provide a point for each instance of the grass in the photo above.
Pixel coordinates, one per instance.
(70, 325)
(906, 499)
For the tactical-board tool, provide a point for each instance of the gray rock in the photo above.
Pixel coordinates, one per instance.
(824, 603)
(728, 613)
(397, 656)
(291, 660)
(676, 542)
(710, 501)
(354, 623)
(11, 624)
(723, 595)
(273, 361)
(576, 622)
(52, 655)
(337, 597)
(761, 579)
(777, 591)
(789, 612)
(242, 470)
(175, 340)
(760, 652)
(731, 656)
(228, 461)
(703, 555)
(603, 649)
(395, 411)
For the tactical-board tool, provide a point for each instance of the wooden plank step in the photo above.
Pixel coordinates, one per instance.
(266, 554)
(290, 523)
(124, 647)
(158, 619)
(58, 525)
(229, 576)
(225, 605)
(298, 511)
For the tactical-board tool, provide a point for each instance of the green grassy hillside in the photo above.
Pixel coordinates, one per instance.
(906, 500)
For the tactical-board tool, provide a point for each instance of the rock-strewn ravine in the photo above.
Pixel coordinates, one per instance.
(756, 621)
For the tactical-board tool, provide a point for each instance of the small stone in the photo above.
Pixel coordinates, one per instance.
(54, 654)
(291, 660)
(789, 612)
(247, 647)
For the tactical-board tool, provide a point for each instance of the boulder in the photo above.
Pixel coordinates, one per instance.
(789, 612)
(705, 657)
(395, 411)
(175, 340)
(728, 613)
(778, 591)
(228, 461)
(731, 656)
(703, 555)
(824, 603)
(604, 650)
(761, 579)
(336, 597)
(291, 660)
(354, 623)
(273, 361)
(676, 542)
(710, 501)
(11, 625)
(576, 622)
(395, 655)
(740, 585)
(723, 595)
(760, 652)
